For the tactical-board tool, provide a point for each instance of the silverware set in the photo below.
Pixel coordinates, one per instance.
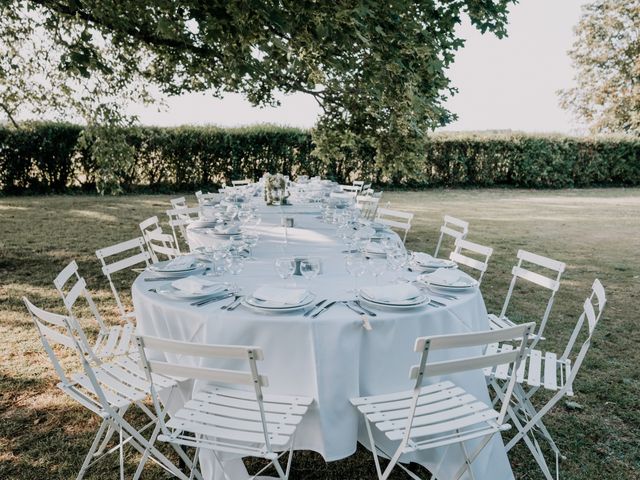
(212, 299)
(319, 308)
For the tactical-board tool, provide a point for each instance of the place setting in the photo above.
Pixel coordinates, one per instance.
(182, 266)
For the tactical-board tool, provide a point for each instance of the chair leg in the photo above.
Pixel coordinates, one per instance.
(372, 443)
(147, 452)
(472, 457)
(92, 450)
(121, 454)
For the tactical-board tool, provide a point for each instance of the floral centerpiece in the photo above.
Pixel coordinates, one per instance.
(275, 189)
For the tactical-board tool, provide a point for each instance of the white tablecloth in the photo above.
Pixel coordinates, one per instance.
(331, 358)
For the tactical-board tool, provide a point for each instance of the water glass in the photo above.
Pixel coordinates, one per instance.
(234, 264)
(377, 266)
(310, 268)
(356, 265)
(285, 266)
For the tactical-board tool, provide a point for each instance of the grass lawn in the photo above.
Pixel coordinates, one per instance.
(596, 232)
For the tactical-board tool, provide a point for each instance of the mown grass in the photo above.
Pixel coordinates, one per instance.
(596, 232)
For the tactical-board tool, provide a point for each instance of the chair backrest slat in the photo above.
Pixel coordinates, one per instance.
(141, 257)
(152, 233)
(201, 350)
(390, 217)
(202, 373)
(458, 340)
(459, 256)
(456, 233)
(470, 363)
(536, 278)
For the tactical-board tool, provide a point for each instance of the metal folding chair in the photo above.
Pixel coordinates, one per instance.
(443, 413)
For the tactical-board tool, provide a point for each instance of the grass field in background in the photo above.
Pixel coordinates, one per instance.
(596, 232)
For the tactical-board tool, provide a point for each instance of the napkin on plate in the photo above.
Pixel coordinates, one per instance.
(374, 248)
(447, 276)
(197, 285)
(288, 296)
(424, 258)
(180, 263)
(391, 293)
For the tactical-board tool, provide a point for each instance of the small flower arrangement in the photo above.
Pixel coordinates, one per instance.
(275, 189)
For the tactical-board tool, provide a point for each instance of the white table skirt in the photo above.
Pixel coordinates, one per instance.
(331, 358)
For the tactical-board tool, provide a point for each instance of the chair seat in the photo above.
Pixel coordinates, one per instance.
(537, 369)
(445, 414)
(231, 421)
(117, 341)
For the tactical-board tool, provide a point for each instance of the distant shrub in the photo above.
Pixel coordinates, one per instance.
(46, 157)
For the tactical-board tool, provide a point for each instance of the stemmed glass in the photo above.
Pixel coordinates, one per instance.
(356, 265)
(309, 268)
(396, 259)
(234, 264)
(377, 266)
(285, 266)
(251, 240)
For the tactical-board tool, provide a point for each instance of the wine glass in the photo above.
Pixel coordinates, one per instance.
(356, 265)
(309, 268)
(285, 266)
(251, 240)
(377, 266)
(234, 264)
(396, 259)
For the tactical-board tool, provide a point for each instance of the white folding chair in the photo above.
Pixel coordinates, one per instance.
(111, 341)
(551, 284)
(367, 206)
(158, 242)
(107, 389)
(443, 413)
(551, 372)
(352, 189)
(461, 256)
(206, 197)
(179, 218)
(395, 219)
(222, 419)
(125, 259)
(452, 227)
(359, 184)
(180, 202)
(239, 183)
(366, 187)
(343, 195)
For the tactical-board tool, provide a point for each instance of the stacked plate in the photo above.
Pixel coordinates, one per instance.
(278, 300)
(393, 297)
(427, 263)
(448, 279)
(177, 267)
(204, 223)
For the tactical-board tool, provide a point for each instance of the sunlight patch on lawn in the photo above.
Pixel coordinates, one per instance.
(105, 217)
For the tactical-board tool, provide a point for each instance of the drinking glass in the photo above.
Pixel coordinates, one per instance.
(251, 240)
(396, 259)
(234, 264)
(310, 267)
(377, 266)
(356, 265)
(285, 266)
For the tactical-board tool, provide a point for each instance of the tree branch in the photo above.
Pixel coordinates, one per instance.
(9, 115)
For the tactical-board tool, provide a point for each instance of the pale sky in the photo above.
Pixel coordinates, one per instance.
(503, 84)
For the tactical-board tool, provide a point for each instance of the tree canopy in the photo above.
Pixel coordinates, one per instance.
(377, 69)
(606, 55)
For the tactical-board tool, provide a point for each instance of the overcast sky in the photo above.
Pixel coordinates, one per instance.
(503, 84)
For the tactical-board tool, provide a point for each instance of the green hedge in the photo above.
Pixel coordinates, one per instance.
(44, 157)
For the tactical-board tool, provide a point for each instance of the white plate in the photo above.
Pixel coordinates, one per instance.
(433, 282)
(420, 300)
(263, 305)
(200, 268)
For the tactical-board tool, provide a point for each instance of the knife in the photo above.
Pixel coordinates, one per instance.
(236, 304)
(323, 309)
(366, 310)
(308, 312)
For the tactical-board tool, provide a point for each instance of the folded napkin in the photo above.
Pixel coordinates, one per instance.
(180, 263)
(288, 296)
(374, 248)
(198, 284)
(227, 229)
(391, 293)
(448, 276)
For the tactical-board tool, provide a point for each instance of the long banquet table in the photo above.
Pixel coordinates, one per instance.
(331, 358)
